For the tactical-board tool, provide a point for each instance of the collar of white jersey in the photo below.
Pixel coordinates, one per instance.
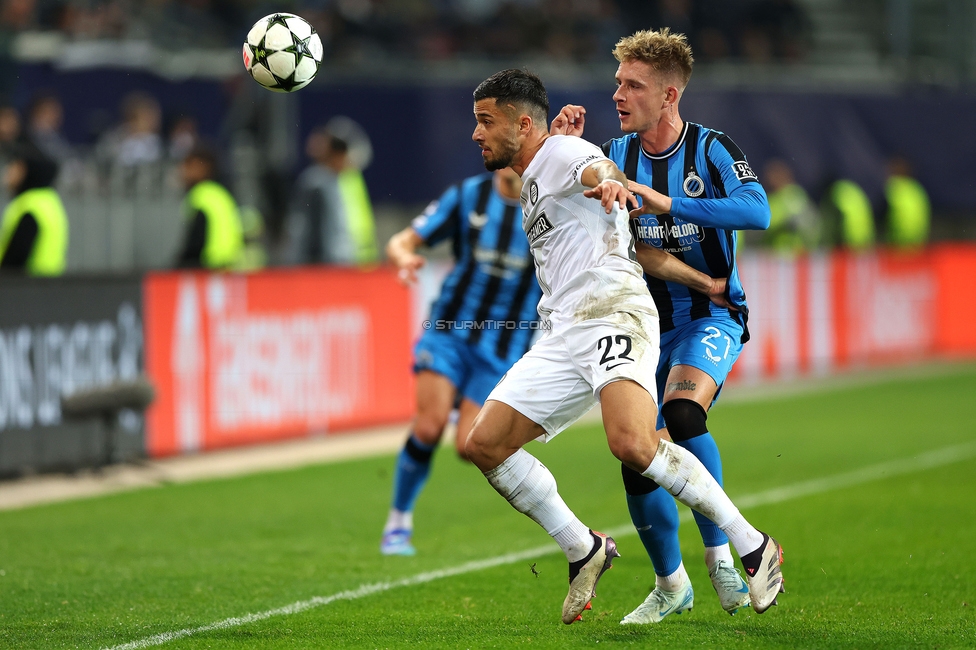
(671, 150)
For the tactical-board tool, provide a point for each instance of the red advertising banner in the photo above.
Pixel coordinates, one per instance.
(240, 359)
(827, 313)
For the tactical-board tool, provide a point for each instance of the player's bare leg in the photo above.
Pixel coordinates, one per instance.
(435, 399)
(495, 447)
(628, 417)
(467, 412)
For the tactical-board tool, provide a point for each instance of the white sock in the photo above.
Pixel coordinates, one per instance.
(397, 520)
(674, 581)
(714, 554)
(679, 472)
(531, 489)
(575, 540)
(744, 536)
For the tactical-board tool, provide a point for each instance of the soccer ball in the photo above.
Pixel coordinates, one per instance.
(282, 52)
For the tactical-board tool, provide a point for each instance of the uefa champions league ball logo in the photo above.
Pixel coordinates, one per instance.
(282, 52)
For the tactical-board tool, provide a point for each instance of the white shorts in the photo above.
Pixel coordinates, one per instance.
(560, 378)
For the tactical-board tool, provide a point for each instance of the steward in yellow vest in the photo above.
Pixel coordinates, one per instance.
(848, 216)
(214, 236)
(34, 230)
(909, 212)
(794, 223)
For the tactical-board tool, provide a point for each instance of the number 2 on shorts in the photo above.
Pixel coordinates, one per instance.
(622, 341)
(714, 333)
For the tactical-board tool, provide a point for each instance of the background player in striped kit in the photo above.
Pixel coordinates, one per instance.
(701, 190)
(481, 323)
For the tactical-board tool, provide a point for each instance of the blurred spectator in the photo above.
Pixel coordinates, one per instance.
(10, 127)
(847, 217)
(908, 212)
(183, 137)
(352, 153)
(10, 135)
(262, 128)
(137, 140)
(254, 256)
(793, 219)
(331, 219)
(317, 230)
(214, 235)
(45, 117)
(34, 230)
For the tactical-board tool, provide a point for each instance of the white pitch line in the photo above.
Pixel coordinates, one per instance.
(902, 466)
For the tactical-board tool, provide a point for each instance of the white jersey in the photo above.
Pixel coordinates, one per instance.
(584, 257)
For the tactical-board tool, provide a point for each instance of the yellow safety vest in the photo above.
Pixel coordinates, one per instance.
(359, 215)
(784, 206)
(225, 235)
(50, 252)
(909, 212)
(857, 220)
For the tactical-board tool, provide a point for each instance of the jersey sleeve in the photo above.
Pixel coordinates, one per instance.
(741, 202)
(567, 160)
(441, 218)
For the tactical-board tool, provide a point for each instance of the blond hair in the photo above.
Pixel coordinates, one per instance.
(666, 53)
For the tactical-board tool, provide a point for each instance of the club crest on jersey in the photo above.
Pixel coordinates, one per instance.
(539, 227)
(533, 192)
(693, 186)
(743, 171)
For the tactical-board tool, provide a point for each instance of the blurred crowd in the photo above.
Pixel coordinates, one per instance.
(234, 216)
(324, 214)
(573, 30)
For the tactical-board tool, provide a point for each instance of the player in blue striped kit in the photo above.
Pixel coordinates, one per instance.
(696, 189)
(482, 322)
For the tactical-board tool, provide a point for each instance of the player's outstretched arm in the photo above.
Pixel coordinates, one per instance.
(667, 267)
(652, 201)
(569, 121)
(608, 184)
(401, 250)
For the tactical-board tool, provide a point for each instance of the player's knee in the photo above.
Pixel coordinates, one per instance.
(475, 449)
(429, 427)
(627, 447)
(635, 483)
(460, 444)
(684, 418)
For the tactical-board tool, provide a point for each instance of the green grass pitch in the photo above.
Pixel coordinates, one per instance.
(885, 559)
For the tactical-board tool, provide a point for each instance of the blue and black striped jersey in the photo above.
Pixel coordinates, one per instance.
(491, 295)
(714, 192)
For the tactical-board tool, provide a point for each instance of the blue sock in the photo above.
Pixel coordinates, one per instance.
(706, 450)
(655, 515)
(412, 468)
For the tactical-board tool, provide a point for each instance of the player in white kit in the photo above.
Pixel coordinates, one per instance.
(602, 344)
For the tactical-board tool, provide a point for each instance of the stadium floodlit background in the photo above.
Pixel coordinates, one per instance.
(275, 353)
